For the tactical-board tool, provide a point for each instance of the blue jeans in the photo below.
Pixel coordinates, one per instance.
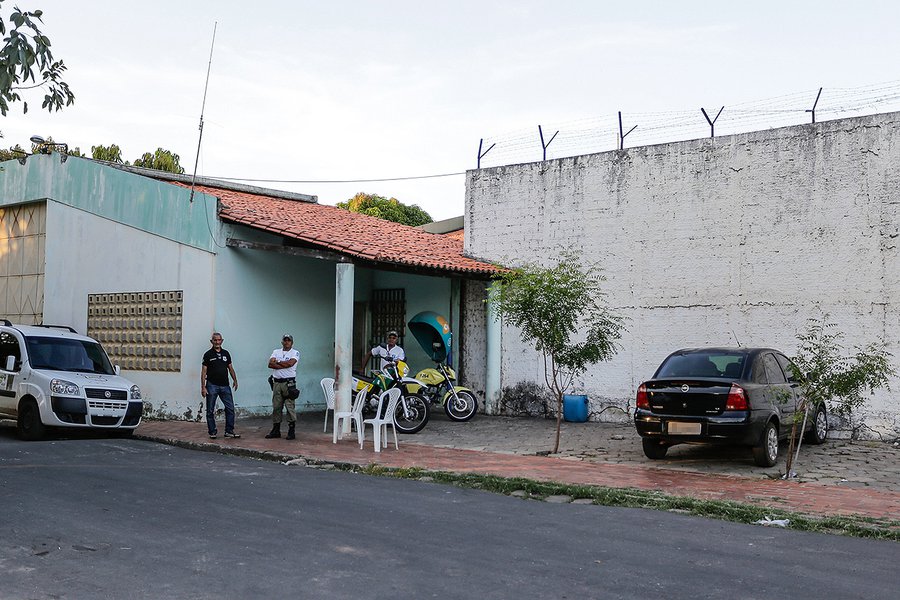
(223, 392)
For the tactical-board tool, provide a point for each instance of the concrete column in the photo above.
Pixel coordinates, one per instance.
(343, 338)
(455, 304)
(493, 342)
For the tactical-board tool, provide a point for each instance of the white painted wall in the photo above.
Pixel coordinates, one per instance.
(708, 241)
(88, 254)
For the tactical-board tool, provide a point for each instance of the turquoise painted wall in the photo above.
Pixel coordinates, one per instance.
(260, 296)
(147, 204)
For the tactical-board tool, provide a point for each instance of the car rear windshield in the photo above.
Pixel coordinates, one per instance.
(724, 365)
(64, 354)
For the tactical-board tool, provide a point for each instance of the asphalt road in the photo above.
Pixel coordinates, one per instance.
(97, 518)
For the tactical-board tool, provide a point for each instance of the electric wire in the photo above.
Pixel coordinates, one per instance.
(592, 134)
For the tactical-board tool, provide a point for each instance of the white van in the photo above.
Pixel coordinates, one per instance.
(52, 377)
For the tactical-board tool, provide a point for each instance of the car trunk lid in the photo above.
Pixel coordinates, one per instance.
(688, 396)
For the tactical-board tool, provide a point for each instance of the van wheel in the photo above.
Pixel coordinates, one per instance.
(765, 453)
(29, 422)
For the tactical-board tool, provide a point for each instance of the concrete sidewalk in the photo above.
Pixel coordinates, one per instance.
(840, 477)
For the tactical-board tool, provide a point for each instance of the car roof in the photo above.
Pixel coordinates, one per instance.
(59, 331)
(726, 349)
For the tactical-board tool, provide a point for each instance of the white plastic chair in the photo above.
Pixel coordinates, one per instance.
(328, 390)
(380, 423)
(354, 416)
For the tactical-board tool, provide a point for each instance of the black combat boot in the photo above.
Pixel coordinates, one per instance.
(275, 433)
(291, 435)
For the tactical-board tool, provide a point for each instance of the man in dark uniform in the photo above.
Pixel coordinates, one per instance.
(214, 384)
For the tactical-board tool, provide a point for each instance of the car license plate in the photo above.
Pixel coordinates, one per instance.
(678, 428)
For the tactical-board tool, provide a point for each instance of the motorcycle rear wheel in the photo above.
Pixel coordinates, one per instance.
(415, 415)
(461, 408)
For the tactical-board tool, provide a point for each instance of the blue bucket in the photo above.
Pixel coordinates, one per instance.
(575, 408)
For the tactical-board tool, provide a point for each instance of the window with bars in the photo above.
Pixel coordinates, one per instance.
(388, 314)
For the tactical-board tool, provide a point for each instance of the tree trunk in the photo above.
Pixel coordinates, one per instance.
(789, 462)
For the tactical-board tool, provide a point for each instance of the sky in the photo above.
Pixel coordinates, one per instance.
(302, 93)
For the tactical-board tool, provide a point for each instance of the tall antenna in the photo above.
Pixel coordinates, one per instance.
(203, 108)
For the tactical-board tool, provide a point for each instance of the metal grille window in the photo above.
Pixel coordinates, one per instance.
(141, 331)
(388, 314)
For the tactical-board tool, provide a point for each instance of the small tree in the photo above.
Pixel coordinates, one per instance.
(832, 377)
(389, 209)
(161, 160)
(111, 153)
(560, 310)
(14, 152)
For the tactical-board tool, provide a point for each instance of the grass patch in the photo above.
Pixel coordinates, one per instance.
(857, 526)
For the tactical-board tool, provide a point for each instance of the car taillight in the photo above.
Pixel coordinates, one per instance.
(737, 399)
(643, 398)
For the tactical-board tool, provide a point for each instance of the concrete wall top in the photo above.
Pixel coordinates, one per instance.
(152, 206)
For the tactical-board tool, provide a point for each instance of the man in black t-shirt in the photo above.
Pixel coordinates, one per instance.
(214, 384)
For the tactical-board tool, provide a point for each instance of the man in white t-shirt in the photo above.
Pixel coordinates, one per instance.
(283, 363)
(391, 349)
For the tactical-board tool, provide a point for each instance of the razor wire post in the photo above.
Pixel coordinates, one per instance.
(543, 145)
(712, 124)
(622, 135)
(813, 109)
(482, 154)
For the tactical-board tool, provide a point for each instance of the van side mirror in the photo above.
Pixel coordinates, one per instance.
(117, 369)
(10, 363)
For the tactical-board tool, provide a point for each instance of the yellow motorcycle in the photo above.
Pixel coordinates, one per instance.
(459, 402)
(436, 385)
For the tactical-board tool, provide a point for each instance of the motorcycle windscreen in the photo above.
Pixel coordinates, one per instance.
(432, 331)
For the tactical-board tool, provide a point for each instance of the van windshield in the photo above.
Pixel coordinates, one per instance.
(63, 354)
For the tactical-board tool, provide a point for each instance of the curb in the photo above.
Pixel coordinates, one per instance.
(243, 452)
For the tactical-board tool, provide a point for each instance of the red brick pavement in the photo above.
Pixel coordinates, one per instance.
(801, 497)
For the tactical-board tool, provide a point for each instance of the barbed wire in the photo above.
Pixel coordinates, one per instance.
(588, 135)
(599, 134)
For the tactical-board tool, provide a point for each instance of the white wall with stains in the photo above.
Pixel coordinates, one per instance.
(712, 241)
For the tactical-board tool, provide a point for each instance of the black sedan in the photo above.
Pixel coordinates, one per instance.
(745, 396)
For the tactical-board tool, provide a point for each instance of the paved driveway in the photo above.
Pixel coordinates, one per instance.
(837, 462)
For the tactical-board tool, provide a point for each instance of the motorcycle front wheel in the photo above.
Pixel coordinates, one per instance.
(412, 413)
(462, 407)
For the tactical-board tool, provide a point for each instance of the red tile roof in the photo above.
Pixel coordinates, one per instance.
(352, 234)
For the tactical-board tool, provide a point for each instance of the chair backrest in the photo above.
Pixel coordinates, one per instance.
(390, 396)
(359, 402)
(328, 390)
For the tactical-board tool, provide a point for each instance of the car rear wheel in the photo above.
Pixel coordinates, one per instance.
(766, 452)
(29, 422)
(819, 432)
(654, 449)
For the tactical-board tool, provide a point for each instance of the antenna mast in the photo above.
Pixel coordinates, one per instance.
(203, 108)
